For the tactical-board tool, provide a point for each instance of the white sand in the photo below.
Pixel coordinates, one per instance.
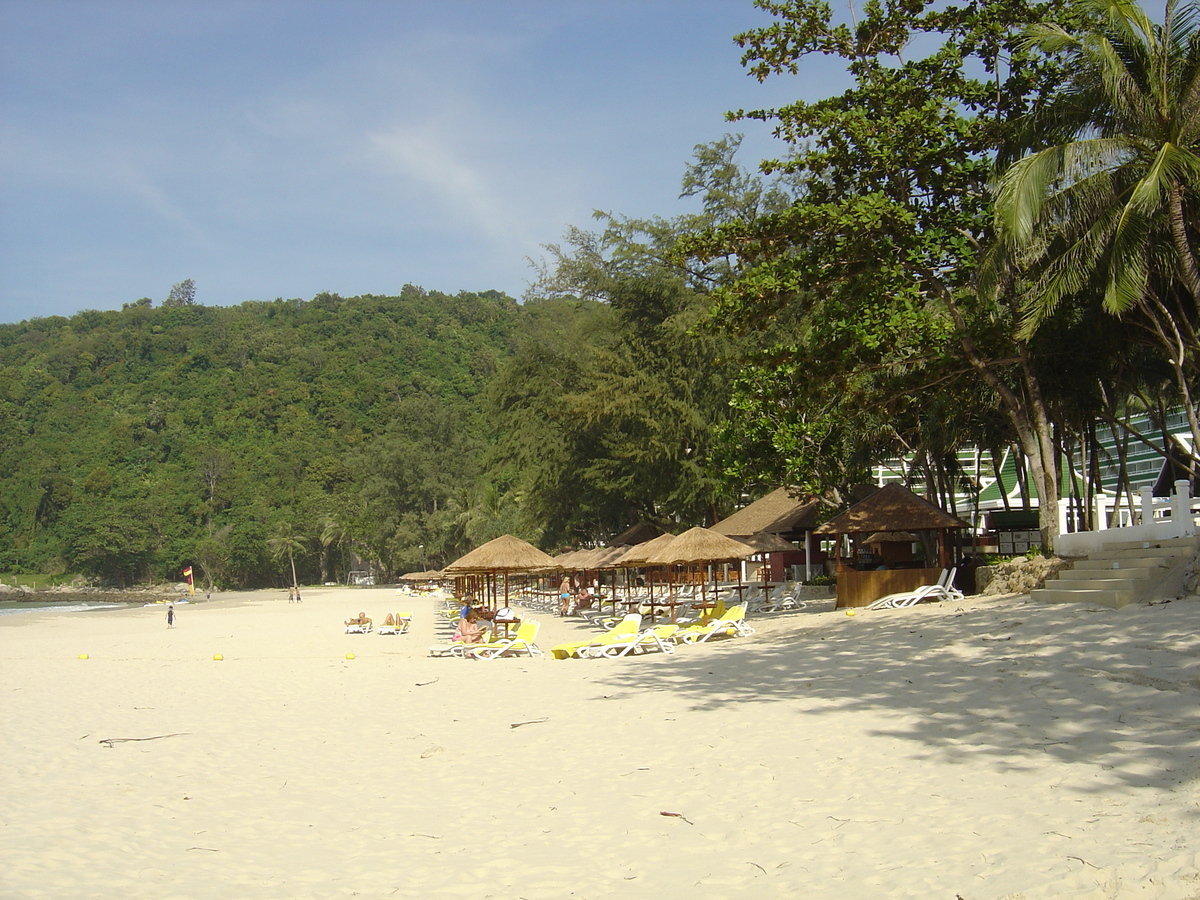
(983, 749)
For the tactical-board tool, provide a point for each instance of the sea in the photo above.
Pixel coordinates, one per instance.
(17, 607)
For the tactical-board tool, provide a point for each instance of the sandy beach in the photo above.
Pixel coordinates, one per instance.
(985, 749)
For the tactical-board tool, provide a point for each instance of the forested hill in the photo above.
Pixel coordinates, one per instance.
(139, 441)
(401, 431)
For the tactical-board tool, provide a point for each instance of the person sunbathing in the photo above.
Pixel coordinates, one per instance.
(469, 631)
(360, 619)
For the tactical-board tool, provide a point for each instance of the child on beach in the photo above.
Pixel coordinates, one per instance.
(170, 615)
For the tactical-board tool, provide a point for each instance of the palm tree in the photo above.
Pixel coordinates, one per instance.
(1107, 201)
(286, 541)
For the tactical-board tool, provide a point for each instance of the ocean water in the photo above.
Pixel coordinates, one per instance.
(16, 608)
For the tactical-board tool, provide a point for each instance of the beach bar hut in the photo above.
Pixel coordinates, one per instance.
(862, 577)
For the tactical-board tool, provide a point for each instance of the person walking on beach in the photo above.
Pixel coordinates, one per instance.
(291, 595)
(298, 600)
(170, 615)
(565, 591)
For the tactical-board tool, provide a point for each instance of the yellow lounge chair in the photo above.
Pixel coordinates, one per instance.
(626, 627)
(397, 624)
(658, 638)
(522, 644)
(732, 623)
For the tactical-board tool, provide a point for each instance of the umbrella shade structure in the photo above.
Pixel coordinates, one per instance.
(501, 556)
(700, 545)
(567, 560)
(639, 554)
(765, 542)
(505, 553)
(431, 575)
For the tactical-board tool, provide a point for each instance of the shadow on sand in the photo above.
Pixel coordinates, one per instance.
(1116, 691)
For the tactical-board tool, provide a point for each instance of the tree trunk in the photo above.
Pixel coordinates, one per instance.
(1030, 419)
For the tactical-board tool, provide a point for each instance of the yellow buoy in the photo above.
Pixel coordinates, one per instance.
(83, 656)
(349, 656)
(849, 612)
(218, 656)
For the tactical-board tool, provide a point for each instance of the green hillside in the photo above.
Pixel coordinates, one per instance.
(142, 440)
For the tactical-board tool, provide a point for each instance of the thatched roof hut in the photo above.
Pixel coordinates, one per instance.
(638, 534)
(892, 508)
(776, 513)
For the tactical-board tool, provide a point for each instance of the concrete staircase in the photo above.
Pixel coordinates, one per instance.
(1122, 573)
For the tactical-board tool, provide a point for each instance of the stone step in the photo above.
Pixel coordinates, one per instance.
(1185, 544)
(1149, 553)
(1101, 584)
(1114, 599)
(1098, 563)
(1138, 574)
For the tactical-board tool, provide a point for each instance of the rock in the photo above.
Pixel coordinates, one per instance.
(1019, 575)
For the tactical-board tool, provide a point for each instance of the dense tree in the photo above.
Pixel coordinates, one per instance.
(1106, 205)
(182, 294)
(862, 293)
(143, 440)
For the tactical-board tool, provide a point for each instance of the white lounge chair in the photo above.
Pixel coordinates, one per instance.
(943, 590)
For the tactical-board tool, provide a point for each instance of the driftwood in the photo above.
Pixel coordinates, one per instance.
(530, 722)
(109, 742)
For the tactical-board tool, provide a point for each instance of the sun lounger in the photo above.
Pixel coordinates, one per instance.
(781, 599)
(458, 648)
(733, 623)
(397, 624)
(624, 628)
(943, 590)
(657, 639)
(521, 644)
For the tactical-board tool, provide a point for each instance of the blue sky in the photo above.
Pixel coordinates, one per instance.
(281, 148)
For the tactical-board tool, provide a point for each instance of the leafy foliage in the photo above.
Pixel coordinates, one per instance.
(143, 440)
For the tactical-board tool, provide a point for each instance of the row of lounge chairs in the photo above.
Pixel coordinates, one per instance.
(520, 644)
(626, 637)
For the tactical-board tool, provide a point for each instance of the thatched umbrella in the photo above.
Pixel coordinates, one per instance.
(766, 542)
(431, 575)
(506, 554)
(698, 546)
(635, 557)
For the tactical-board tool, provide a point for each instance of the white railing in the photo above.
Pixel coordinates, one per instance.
(1158, 520)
